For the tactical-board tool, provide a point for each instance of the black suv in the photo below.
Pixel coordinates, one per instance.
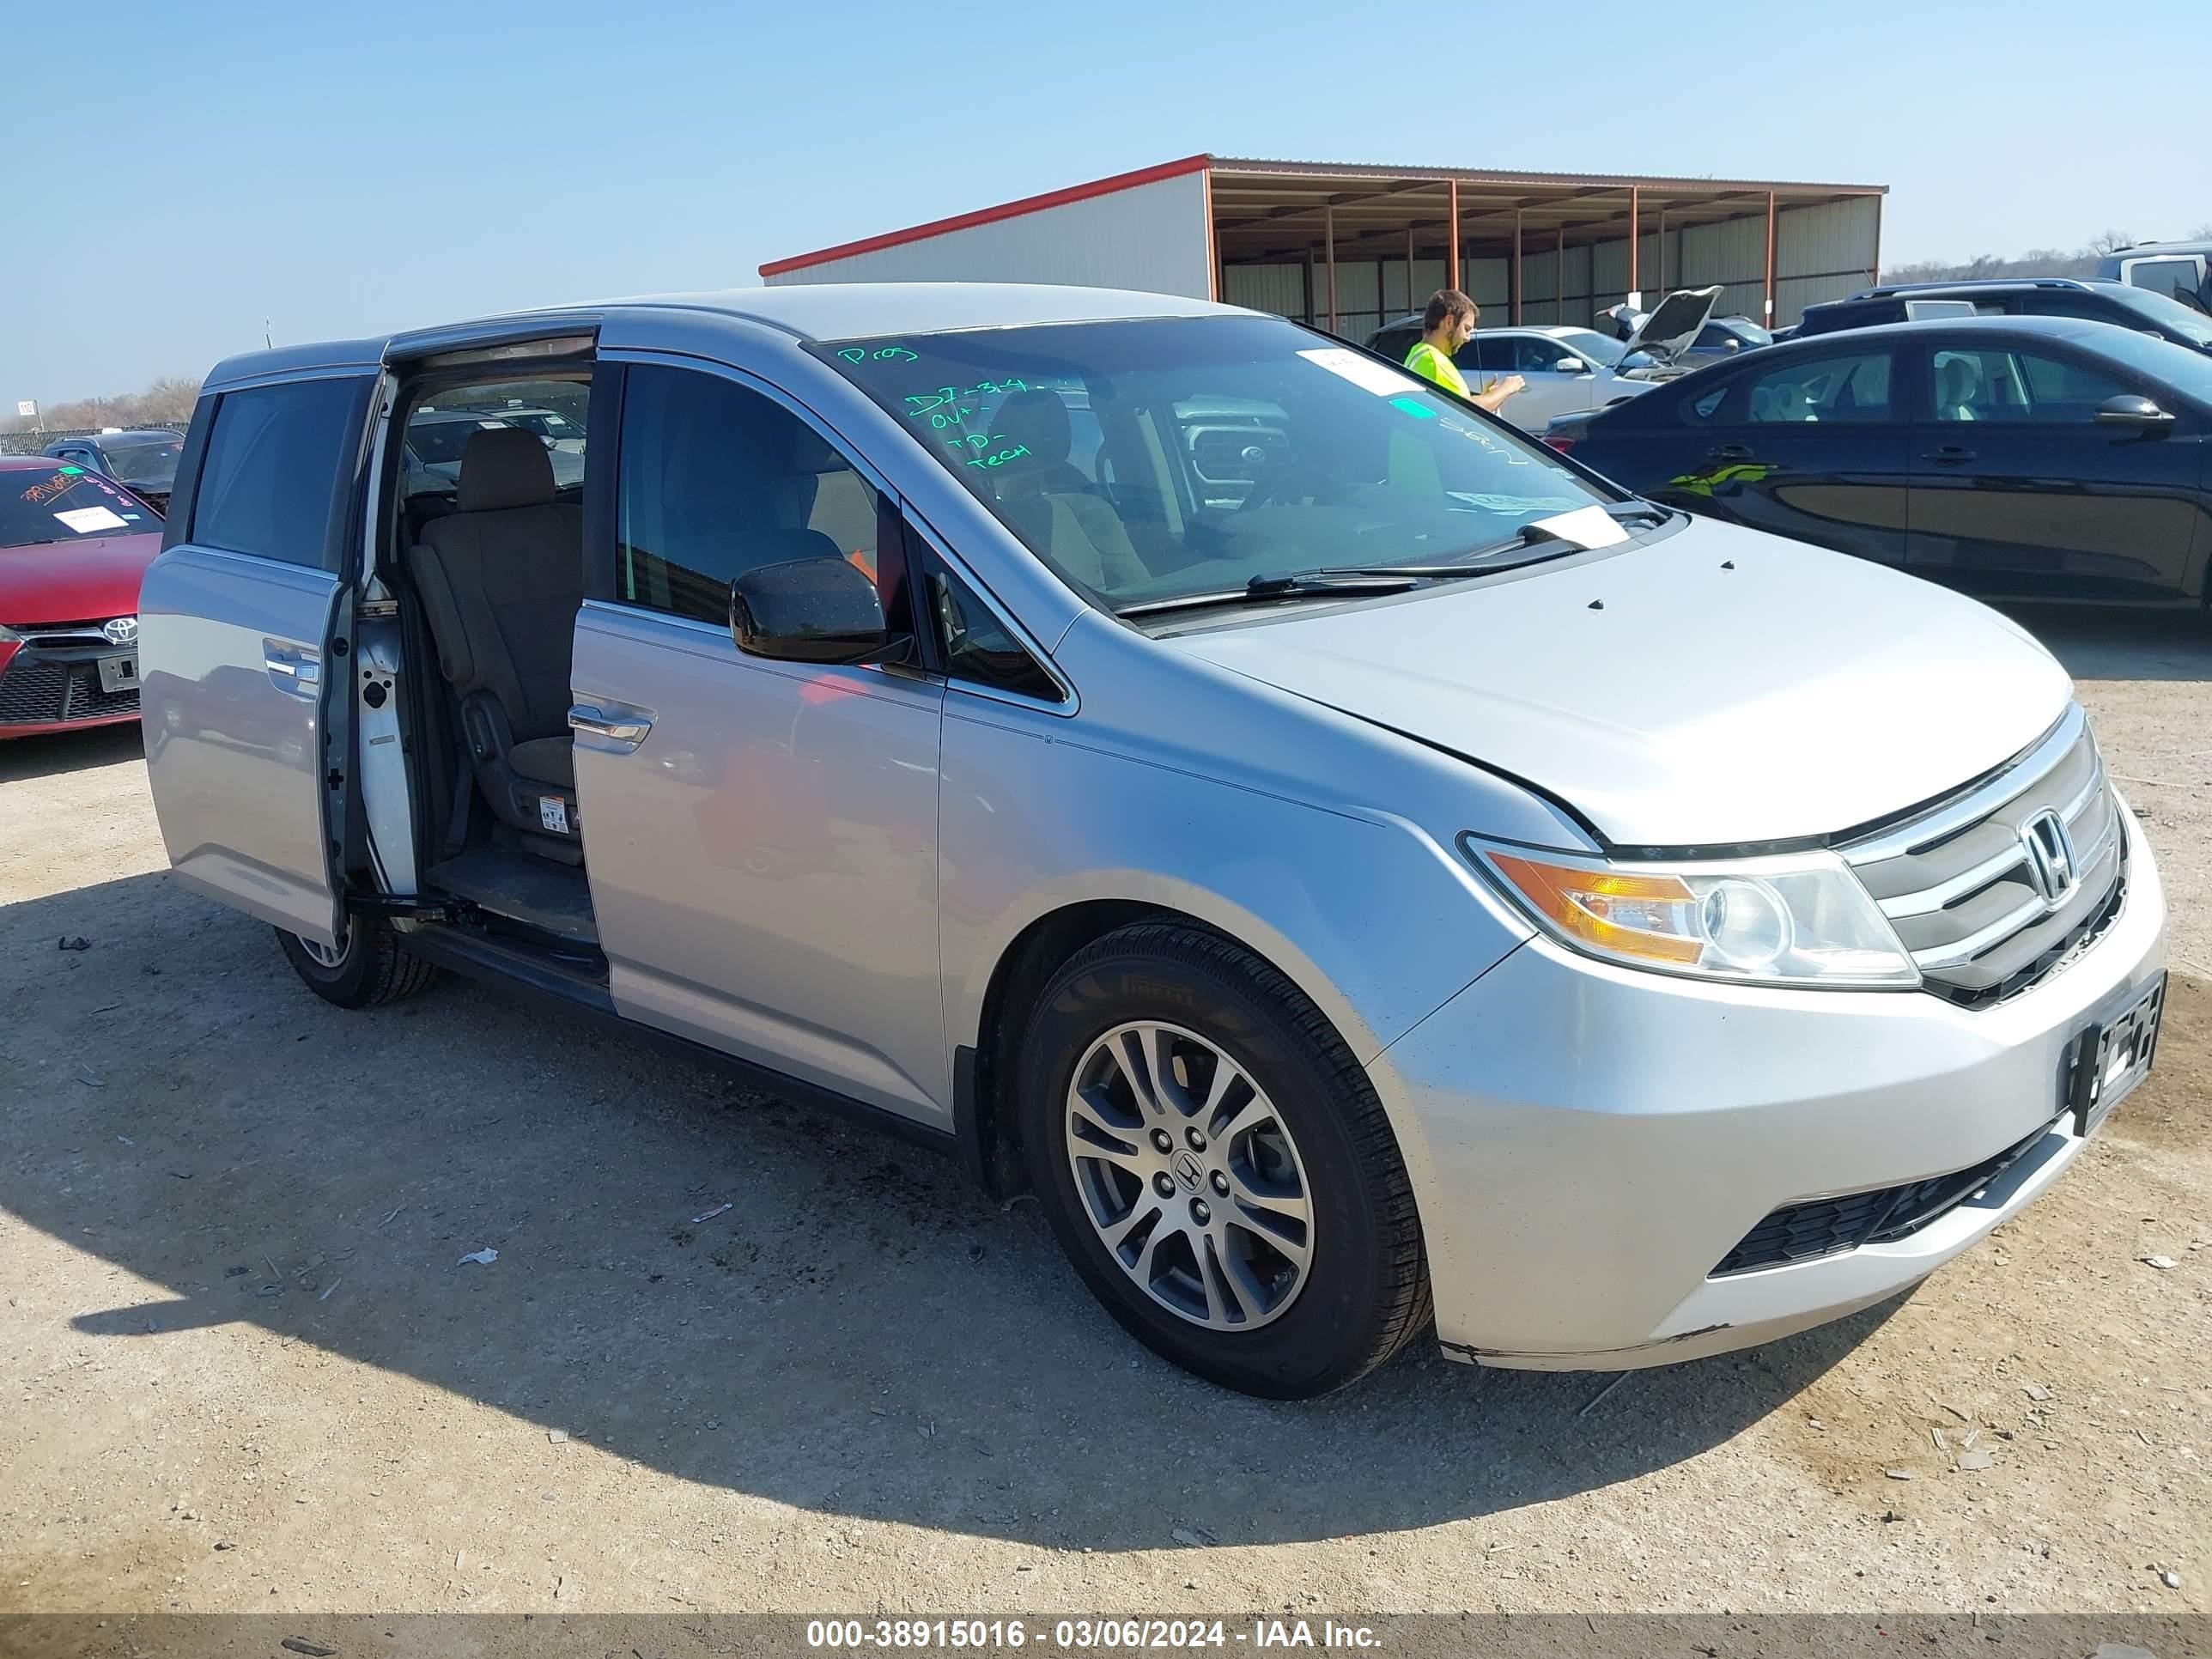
(2095, 302)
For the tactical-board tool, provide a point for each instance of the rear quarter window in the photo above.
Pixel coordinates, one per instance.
(277, 480)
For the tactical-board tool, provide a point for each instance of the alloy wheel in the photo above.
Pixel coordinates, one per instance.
(1189, 1175)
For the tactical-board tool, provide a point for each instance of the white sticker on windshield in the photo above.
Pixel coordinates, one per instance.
(1364, 371)
(86, 520)
(1586, 526)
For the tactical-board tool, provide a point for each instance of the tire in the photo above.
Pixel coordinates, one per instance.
(1282, 1310)
(373, 969)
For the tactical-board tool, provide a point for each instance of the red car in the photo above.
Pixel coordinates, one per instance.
(73, 549)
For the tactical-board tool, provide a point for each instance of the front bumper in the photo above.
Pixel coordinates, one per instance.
(57, 689)
(1588, 1142)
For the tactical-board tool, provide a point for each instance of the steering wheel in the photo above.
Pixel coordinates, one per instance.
(1275, 482)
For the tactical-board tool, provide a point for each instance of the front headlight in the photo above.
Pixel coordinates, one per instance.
(9, 637)
(1802, 920)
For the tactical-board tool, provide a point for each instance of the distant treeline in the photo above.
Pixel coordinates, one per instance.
(167, 402)
(2036, 262)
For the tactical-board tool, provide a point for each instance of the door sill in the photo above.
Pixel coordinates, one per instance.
(580, 986)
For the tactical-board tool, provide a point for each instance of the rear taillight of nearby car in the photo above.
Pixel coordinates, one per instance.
(1559, 440)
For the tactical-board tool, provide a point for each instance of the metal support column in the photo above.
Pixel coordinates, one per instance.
(1635, 238)
(1768, 319)
(1874, 276)
(1662, 250)
(1451, 228)
(1413, 301)
(1516, 266)
(1328, 248)
(1559, 276)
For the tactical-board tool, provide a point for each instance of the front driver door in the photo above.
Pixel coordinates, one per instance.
(236, 619)
(1803, 444)
(2018, 489)
(761, 835)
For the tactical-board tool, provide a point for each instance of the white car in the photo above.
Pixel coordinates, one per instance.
(1568, 370)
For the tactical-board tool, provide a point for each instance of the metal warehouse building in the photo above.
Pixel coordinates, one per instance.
(1345, 246)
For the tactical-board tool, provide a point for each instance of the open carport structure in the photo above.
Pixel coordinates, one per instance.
(1345, 246)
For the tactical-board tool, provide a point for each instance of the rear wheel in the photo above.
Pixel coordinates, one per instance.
(1217, 1166)
(367, 968)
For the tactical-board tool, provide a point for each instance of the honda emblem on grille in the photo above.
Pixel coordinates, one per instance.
(2050, 855)
(122, 630)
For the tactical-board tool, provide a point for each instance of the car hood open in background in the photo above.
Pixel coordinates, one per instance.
(1715, 686)
(88, 579)
(1670, 332)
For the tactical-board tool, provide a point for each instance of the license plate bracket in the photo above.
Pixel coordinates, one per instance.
(119, 673)
(2110, 1056)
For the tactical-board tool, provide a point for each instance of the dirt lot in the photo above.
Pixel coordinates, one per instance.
(239, 1369)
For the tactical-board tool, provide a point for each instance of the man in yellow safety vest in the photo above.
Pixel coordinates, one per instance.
(1446, 325)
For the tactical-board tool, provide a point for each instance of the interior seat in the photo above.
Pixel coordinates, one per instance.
(1052, 501)
(501, 579)
(1958, 385)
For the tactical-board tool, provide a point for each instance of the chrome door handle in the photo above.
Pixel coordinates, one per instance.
(293, 668)
(628, 730)
(1949, 455)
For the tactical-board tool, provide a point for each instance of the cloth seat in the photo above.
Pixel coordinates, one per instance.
(502, 578)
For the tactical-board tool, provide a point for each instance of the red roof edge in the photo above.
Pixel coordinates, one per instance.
(1051, 198)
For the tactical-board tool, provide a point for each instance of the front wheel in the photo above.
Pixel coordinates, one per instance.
(1217, 1165)
(367, 968)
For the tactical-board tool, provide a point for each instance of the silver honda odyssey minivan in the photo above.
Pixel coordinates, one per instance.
(1359, 869)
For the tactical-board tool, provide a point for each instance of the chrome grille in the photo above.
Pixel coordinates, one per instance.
(1958, 884)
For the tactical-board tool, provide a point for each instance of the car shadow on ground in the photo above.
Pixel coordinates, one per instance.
(23, 759)
(857, 1333)
(2116, 642)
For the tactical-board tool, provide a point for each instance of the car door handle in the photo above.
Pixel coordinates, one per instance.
(296, 668)
(1949, 455)
(628, 730)
(1728, 452)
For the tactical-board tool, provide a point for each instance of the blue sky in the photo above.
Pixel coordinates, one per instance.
(341, 170)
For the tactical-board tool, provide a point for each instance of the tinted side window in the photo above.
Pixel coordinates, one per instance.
(279, 477)
(1987, 383)
(978, 646)
(1845, 387)
(716, 480)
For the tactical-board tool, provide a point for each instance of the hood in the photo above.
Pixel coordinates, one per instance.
(1668, 331)
(83, 581)
(1675, 702)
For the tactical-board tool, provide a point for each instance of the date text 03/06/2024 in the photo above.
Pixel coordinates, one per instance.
(1081, 1634)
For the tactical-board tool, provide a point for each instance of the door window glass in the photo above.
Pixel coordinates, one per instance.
(716, 480)
(1844, 388)
(1992, 383)
(2167, 276)
(978, 646)
(279, 469)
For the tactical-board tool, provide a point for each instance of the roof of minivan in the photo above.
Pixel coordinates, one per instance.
(812, 310)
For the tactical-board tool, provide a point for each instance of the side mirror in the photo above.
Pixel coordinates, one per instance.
(2130, 408)
(812, 609)
(1571, 366)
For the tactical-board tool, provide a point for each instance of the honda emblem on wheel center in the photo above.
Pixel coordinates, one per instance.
(1188, 1170)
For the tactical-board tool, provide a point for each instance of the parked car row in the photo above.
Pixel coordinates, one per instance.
(74, 544)
(2015, 456)
(1567, 369)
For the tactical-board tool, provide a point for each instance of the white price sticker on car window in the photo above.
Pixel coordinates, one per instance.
(85, 520)
(1377, 378)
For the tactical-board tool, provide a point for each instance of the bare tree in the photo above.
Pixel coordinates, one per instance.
(167, 402)
(2110, 241)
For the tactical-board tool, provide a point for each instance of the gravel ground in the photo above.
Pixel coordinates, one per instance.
(240, 1370)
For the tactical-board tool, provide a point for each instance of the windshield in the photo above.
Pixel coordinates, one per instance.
(1151, 460)
(151, 464)
(1589, 343)
(442, 441)
(2169, 315)
(67, 504)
